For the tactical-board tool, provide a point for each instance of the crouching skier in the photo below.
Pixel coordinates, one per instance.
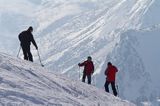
(88, 69)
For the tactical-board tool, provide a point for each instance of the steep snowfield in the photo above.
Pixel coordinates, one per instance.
(27, 84)
(98, 30)
(125, 32)
(145, 43)
(138, 49)
(90, 30)
(141, 52)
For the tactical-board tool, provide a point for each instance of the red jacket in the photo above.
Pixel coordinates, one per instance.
(88, 67)
(111, 73)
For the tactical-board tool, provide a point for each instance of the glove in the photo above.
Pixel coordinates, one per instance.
(92, 73)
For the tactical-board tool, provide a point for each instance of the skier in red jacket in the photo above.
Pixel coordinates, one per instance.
(110, 72)
(88, 69)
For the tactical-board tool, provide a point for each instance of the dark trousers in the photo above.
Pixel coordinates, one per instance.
(88, 77)
(113, 87)
(27, 53)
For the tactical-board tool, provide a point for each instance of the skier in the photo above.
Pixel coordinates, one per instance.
(88, 69)
(110, 72)
(26, 38)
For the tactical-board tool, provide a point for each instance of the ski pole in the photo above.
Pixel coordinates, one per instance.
(19, 51)
(40, 59)
(79, 73)
(93, 80)
(117, 90)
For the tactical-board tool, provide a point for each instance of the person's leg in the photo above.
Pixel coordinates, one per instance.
(89, 79)
(24, 52)
(29, 54)
(114, 88)
(106, 86)
(84, 77)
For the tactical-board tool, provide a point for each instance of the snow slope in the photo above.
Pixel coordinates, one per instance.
(145, 44)
(99, 30)
(142, 54)
(79, 30)
(138, 49)
(67, 31)
(26, 84)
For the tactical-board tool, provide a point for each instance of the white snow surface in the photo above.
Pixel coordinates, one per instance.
(125, 32)
(26, 84)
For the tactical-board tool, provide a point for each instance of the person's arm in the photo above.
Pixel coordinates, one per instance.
(116, 70)
(33, 41)
(20, 37)
(81, 64)
(106, 71)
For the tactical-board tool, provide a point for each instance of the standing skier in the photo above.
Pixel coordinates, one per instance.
(88, 69)
(110, 72)
(26, 38)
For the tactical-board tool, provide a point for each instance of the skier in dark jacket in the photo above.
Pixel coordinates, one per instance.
(110, 72)
(26, 38)
(88, 69)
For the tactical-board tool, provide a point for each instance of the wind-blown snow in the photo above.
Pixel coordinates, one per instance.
(27, 84)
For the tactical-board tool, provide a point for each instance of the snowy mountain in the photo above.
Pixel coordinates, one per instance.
(125, 32)
(26, 84)
(142, 44)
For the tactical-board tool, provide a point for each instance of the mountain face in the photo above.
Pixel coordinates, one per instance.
(124, 32)
(26, 84)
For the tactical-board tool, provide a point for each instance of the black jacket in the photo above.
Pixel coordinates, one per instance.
(26, 38)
